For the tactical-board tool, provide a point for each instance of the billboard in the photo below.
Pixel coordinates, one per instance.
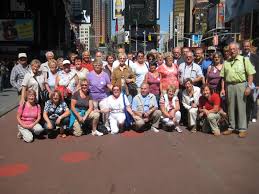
(118, 7)
(16, 30)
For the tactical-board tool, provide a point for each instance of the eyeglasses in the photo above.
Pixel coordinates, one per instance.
(140, 56)
(84, 85)
(122, 58)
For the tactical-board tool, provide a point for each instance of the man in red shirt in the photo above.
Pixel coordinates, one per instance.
(209, 108)
(86, 61)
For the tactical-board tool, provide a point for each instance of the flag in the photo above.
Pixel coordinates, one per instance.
(116, 25)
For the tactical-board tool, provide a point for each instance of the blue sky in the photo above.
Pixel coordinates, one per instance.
(165, 8)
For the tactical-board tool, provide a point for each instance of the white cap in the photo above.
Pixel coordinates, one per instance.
(20, 55)
(212, 48)
(66, 62)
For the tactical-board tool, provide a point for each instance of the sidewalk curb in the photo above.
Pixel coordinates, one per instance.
(8, 109)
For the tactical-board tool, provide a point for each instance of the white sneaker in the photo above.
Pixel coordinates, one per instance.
(253, 120)
(19, 135)
(154, 129)
(108, 128)
(178, 129)
(97, 133)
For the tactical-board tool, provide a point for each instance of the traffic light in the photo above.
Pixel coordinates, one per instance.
(149, 37)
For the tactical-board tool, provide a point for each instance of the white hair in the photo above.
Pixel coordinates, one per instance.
(48, 53)
(235, 44)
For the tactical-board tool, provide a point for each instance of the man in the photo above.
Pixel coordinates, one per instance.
(177, 56)
(99, 55)
(18, 72)
(235, 73)
(252, 98)
(86, 61)
(45, 66)
(123, 75)
(145, 109)
(191, 70)
(201, 61)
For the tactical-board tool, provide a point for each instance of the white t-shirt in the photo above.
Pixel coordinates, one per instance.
(116, 105)
(140, 72)
(82, 74)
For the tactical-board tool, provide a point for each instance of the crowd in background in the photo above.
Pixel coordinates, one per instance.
(214, 93)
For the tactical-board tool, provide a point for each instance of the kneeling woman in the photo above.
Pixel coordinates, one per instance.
(28, 116)
(116, 105)
(56, 114)
(82, 108)
(209, 109)
(170, 107)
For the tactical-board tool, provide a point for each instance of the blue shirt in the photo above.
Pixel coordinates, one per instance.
(146, 102)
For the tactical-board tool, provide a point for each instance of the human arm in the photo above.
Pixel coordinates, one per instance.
(13, 78)
(64, 115)
(90, 109)
(23, 94)
(46, 118)
(73, 108)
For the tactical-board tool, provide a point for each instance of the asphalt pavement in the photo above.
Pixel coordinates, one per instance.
(130, 162)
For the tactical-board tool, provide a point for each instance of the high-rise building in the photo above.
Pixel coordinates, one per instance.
(76, 7)
(101, 21)
(171, 24)
(179, 9)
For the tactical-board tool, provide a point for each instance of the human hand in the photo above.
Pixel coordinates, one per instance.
(247, 91)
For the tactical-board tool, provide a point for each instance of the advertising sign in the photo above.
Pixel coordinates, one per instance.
(16, 30)
(117, 8)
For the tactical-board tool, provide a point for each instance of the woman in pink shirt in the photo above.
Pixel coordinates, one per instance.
(28, 117)
(169, 74)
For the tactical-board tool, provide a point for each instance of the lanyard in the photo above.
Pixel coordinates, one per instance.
(185, 69)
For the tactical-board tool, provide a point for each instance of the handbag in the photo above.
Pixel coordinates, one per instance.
(133, 89)
(65, 92)
(129, 119)
(43, 94)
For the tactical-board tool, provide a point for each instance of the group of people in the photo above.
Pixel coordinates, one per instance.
(79, 95)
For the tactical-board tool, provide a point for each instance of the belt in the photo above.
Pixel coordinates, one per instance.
(234, 83)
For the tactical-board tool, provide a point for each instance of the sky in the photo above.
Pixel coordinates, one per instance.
(165, 8)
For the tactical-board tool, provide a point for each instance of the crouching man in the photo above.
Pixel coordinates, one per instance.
(145, 108)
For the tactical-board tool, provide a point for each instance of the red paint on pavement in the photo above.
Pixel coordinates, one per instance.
(131, 133)
(75, 157)
(13, 170)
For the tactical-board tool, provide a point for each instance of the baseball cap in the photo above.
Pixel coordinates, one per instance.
(20, 55)
(66, 62)
(212, 48)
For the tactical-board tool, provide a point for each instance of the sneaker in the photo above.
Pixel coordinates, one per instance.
(178, 129)
(19, 135)
(154, 129)
(253, 120)
(97, 133)
(242, 134)
(108, 128)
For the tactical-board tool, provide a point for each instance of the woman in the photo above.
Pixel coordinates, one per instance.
(35, 80)
(60, 63)
(140, 68)
(123, 76)
(28, 117)
(80, 70)
(67, 82)
(116, 105)
(169, 74)
(82, 111)
(153, 79)
(209, 109)
(108, 68)
(99, 85)
(51, 76)
(213, 74)
(170, 107)
(56, 114)
(160, 59)
(190, 100)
